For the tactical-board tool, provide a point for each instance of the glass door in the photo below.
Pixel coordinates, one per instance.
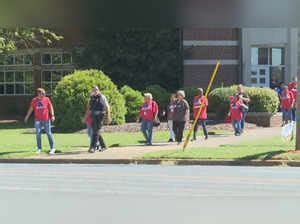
(260, 76)
(267, 66)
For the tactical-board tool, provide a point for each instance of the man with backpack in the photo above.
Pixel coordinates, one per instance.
(98, 107)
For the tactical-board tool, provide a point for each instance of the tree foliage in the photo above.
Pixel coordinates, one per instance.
(13, 38)
(135, 57)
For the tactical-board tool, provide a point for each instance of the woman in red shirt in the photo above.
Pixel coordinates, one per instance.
(42, 107)
(148, 113)
(286, 103)
(236, 114)
(198, 100)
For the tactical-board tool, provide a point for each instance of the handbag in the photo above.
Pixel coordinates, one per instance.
(156, 122)
(244, 108)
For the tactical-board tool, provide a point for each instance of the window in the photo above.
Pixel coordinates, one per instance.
(16, 59)
(51, 78)
(16, 83)
(61, 58)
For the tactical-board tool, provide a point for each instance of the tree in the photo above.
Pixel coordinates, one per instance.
(14, 38)
(137, 57)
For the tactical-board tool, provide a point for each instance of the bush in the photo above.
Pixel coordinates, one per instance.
(134, 100)
(160, 95)
(261, 100)
(72, 93)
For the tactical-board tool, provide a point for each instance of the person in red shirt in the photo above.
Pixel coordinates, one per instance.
(293, 88)
(148, 113)
(197, 101)
(286, 103)
(42, 107)
(236, 114)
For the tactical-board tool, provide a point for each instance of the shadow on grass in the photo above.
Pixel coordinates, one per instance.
(263, 156)
(12, 153)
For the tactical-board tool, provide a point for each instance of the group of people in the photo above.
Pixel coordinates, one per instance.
(288, 100)
(177, 113)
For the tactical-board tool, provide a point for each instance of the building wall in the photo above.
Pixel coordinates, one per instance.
(202, 47)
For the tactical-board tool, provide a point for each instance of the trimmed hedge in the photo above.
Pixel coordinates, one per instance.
(72, 94)
(261, 100)
(134, 100)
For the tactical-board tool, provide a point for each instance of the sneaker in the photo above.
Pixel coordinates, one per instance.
(103, 149)
(38, 151)
(52, 152)
(91, 150)
(98, 147)
(206, 137)
(171, 140)
(149, 144)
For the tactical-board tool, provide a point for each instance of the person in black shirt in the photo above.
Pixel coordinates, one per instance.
(98, 106)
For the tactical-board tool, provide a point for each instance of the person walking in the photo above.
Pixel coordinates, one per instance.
(245, 100)
(293, 88)
(181, 116)
(43, 115)
(236, 114)
(197, 101)
(98, 107)
(170, 113)
(148, 114)
(286, 103)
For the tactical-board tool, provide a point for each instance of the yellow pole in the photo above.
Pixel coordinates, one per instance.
(202, 104)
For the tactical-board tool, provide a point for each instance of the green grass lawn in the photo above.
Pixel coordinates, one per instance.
(18, 140)
(271, 148)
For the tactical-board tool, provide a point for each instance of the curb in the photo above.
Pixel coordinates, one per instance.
(177, 162)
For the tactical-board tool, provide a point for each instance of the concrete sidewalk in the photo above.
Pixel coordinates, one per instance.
(136, 151)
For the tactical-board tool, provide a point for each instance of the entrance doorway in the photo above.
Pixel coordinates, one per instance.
(267, 66)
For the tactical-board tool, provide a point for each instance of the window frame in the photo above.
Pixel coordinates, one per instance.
(24, 83)
(61, 53)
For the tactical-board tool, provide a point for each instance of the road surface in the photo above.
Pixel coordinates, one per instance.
(131, 194)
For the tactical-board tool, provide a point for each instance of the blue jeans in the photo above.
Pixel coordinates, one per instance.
(201, 122)
(294, 114)
(286, 114)
(236, 126)
(90, 133)
(146, 128)
(243, 120)
(47, 126)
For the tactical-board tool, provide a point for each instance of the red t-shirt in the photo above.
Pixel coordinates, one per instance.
(197, 104)
(88, 119)
(148, 110)
(287, 99)
(41, 107)
(235, 112)
(294, 92)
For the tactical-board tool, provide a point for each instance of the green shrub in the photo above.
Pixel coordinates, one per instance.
(261, 100)
(160, 95)
(134, 100)
(72, 94)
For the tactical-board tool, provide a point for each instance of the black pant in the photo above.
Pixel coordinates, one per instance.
(96, 126)
(201, 122)
(178, 128)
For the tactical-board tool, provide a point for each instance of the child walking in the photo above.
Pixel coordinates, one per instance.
(236, 114)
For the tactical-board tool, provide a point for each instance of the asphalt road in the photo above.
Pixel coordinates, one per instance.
(130, 194)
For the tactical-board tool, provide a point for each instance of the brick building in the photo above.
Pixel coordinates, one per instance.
(254, 57)
(260, 57)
